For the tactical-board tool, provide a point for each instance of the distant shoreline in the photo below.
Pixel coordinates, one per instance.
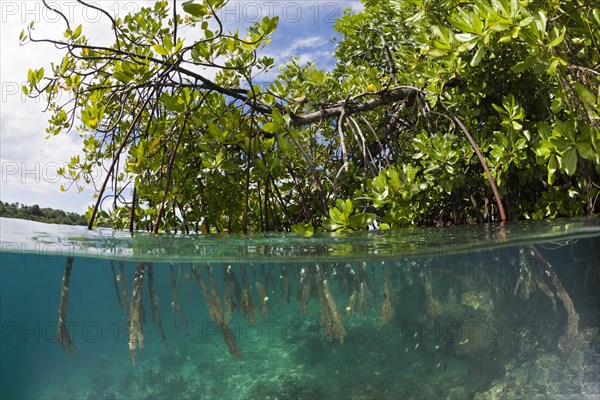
(39, 214)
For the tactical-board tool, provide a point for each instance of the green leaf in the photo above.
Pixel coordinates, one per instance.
(168, 43)
(214, 130)
(271, 127)
(153, 144)
(357, 221)
(569, 161)
(499, 109)
(349, 207)
(285, 145)
(557, 104)
(552, 165)
(121, 76)
(330, 225)
(34, 76)
(179, 45)
(557, 36)
(517, 125)
(461, 22)
(525, 21)
(587, 96)
(337, 216)
(77, 32)
(540, 21)
(277, 117)
(585, 151)
(304, 230)
(478, 55)
(466, 37)
(197, 10)
(160, 50)
(563, 130)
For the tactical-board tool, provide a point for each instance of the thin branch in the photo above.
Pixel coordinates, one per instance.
(490, 178)
(168, 177)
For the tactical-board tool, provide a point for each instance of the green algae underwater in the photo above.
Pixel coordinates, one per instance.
(510, 312)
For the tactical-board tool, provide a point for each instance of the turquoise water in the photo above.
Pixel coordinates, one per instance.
(476, 312)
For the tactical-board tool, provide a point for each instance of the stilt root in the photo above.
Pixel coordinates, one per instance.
(62, 333)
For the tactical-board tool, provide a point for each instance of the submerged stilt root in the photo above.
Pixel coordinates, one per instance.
(572, 316)
(262, 294)
(233, 292)
(355, 284)
(431, 307)
(303, 290)
(175, 298)
(247, 306)
(529, 279)
(353, 300)
(286, 290)
(524, 285)
(136, 338)
(124, 291)
(114, 276)
(362, 288)
(330, 317)
(271, 282)
(154, 303)
(62, 333)
(213, 303)
(387, 307)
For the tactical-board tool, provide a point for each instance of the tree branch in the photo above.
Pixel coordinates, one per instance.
(382, 97)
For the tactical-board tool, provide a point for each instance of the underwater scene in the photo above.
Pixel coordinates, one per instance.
(477, 312)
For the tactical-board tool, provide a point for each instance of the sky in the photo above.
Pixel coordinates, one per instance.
(29, 162)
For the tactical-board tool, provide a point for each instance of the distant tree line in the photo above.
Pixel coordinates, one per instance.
(36, 213)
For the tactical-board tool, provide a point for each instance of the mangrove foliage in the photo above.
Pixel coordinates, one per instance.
(437, 112)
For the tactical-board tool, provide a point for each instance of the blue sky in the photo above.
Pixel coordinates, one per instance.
(29, 161)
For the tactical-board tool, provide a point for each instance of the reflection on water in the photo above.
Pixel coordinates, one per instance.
(511, 313)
